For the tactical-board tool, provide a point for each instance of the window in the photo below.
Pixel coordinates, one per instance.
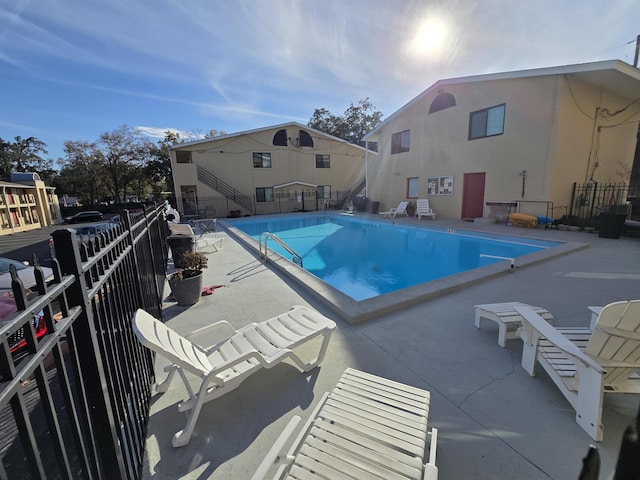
(264, 194)
(305, 140)
(183, 157)
(261, 160)
(413, 187)
(324, 191)
(280, 138)
(441, 102)
(323, 161)
(400, 142)
(486, 123)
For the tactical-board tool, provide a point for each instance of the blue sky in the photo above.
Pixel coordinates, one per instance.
(72, 69)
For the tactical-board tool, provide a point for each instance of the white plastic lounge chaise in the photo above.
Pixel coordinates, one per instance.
(423, 209)
(401, 209)
(202, 243)
(366, 427)
(584, 364)
(223, 366)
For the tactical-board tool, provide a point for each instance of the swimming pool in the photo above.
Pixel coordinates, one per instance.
(364, 259)
(387, 251)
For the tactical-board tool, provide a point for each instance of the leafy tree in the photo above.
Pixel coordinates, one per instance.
(122, 150)
(82, 172)
(23, 155)
(158, 168)
(352, 126)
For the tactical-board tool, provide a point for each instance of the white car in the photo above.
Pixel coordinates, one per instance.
(25, 272)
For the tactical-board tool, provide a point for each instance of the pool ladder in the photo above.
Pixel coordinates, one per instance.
(295, 257)
(512, 260)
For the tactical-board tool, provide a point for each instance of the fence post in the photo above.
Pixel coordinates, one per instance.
(593, 200)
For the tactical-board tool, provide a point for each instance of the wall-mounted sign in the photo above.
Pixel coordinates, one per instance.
(440, 185)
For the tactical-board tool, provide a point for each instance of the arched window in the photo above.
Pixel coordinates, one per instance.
(280, 138)
(305, 139)
(442, 101)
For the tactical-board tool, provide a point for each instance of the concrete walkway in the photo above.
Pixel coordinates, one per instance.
(494, 421)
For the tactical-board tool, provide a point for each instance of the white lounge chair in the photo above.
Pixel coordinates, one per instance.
(401, 209)
(223, 366)
(423, 209)
(202, 243)
(366, 427)
(585, 364)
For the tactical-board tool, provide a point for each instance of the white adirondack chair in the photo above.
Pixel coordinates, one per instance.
(423, 209)
(223, 366)
(585, 364)
(401, 209)
(366, 427)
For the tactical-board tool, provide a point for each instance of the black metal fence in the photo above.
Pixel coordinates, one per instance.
(282, 202)
(74, 381)
(589, 200)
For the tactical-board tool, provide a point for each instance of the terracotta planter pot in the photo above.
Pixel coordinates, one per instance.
(186, 291)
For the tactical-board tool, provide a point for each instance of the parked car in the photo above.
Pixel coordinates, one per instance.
(89, 232)
(25, 273)
(17, 341)
(86, 216)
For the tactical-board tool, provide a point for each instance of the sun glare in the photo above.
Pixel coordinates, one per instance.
(430, 38)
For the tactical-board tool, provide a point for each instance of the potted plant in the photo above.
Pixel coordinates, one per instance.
(186, 282)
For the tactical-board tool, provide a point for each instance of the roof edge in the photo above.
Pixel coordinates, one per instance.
(618, 65)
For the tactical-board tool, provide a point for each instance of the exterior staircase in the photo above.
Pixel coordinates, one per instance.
(351, 194)
(210, 180)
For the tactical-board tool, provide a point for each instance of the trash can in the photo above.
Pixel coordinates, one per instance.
(611, 225)
(375, 207)
(179, 245)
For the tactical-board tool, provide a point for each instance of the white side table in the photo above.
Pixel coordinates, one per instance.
(595, 313)
(505, 315)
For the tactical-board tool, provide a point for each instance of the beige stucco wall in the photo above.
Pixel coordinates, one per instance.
(27, 207)
(231, 159)
(544, 136)
(584, 139)
(440, 145)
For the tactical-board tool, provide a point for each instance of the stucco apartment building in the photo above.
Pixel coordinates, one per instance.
(471, 143)
(26, 203)
(280, 168)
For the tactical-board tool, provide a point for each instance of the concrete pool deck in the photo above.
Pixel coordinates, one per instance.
(494, 421)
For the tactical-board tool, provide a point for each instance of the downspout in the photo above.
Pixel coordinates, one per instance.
(366, 169)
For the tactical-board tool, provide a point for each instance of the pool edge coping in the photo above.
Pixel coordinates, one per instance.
(354, 311)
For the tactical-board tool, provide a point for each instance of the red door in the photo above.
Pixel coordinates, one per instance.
(473, 195)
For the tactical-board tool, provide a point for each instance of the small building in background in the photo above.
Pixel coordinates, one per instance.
(26, 203)
(280, 168)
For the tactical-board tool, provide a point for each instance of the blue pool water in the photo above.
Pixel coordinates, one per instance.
(364, 259)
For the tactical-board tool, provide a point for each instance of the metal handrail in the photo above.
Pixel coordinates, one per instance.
(295, 257)
(512, 260)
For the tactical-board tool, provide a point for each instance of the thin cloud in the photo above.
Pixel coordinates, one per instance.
(159, 132)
